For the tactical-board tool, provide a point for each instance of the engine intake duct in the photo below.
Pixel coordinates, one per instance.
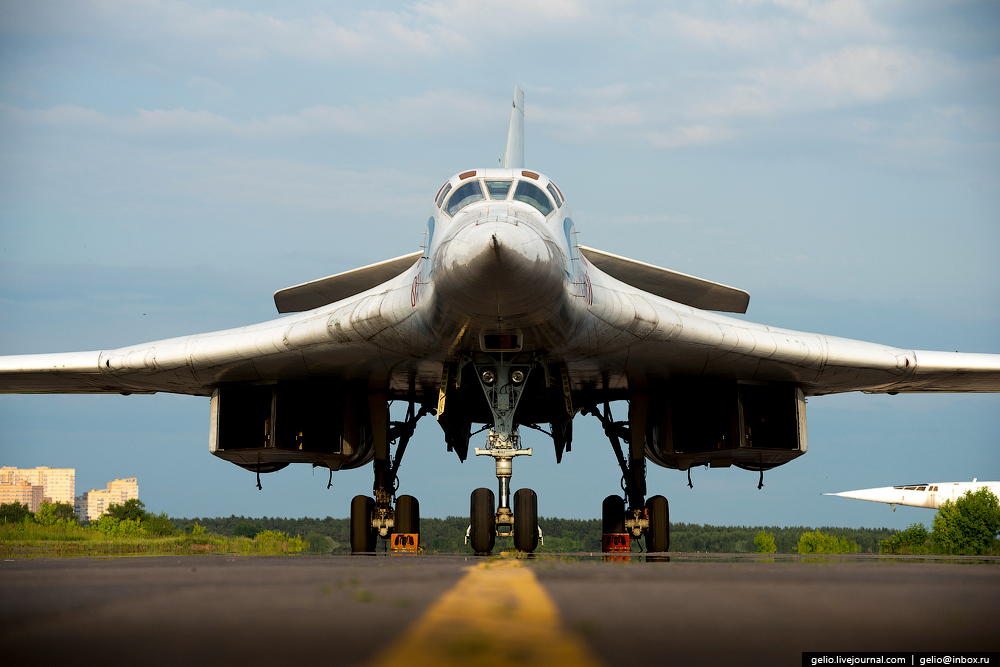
(265, 426)
(719, 423)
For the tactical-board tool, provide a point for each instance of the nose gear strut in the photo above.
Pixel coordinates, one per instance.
(503, 377)
(503, 382)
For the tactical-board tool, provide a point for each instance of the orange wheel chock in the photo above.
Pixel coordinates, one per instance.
(405, 542)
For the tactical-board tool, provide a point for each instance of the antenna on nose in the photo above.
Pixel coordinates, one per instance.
(513, 155)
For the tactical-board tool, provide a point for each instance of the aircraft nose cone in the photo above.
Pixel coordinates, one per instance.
(503, 268)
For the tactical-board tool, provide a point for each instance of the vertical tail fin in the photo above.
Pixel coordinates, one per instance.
(513, 157)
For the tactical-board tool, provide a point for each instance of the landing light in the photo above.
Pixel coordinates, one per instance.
(517, 377)
(489, 377)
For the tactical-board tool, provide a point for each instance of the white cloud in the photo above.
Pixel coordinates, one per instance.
(583, 115)
(631, 73)
(371, 36)
(649, 219)
(977, 119)
(526, 16)
(209, 88)
(776, 25)
(690, 135)
(869, 73)
(849, 77)
(297, 185)
(420, 31)
(743, 36)
(431, 113)
(837, 16)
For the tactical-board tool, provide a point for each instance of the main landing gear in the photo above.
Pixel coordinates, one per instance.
(642, 517)
(376, 518)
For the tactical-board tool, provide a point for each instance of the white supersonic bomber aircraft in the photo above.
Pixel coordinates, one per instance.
(504, 319)
(928, 494)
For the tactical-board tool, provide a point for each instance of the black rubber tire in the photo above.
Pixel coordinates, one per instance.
(658, 535)
(525, 520)
(482, 511)
(407, 515)
(613, 515)
(362, 533)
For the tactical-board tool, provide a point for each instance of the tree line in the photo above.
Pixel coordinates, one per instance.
(970, 525)
(560, 535)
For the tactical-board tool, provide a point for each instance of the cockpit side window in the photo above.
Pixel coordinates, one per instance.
(464, 195)
(498, 189)
(430, 234)
(568, 231)
(555, 195)
(560, 192)
(442, 193)
(532, 194)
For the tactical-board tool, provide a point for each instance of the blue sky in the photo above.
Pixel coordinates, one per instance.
(166, 166)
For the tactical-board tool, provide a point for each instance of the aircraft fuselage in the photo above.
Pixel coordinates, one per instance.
(930, 495)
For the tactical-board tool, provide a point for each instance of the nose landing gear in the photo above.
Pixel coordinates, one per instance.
(503, 382)
(484, 526)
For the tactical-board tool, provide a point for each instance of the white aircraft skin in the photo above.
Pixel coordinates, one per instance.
(501, 265)
(929, 495)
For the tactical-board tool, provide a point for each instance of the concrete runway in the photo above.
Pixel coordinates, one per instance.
(692, 610)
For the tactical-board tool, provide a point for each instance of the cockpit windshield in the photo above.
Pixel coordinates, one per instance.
(532, 194)
(467, 194)
(498, 189)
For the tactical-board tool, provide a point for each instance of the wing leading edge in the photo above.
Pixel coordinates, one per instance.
(59, 373)
(956, 372)
(680, 287)
(294, 346)
(317, 293)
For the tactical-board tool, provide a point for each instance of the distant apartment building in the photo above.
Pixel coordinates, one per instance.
(94, 503)
(24, 493)
(58, 484)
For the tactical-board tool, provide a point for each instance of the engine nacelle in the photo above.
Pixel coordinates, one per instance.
(266, 427)
(693, 421)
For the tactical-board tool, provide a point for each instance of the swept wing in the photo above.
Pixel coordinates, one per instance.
(504, 319)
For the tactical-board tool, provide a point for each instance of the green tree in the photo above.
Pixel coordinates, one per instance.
(913, 540)
(112, 527)
(132, 508)
(247, 530)
(765, 543)
(318, 544)
(52, 514)
(818, 543)
(157, 524)
(968, 525)
(15, 513)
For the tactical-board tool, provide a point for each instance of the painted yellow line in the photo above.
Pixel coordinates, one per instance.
(498, 614)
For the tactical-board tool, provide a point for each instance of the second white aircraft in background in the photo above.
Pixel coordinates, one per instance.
(929, 495)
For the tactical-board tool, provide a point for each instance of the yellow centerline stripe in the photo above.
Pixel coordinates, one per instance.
(497, 614)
